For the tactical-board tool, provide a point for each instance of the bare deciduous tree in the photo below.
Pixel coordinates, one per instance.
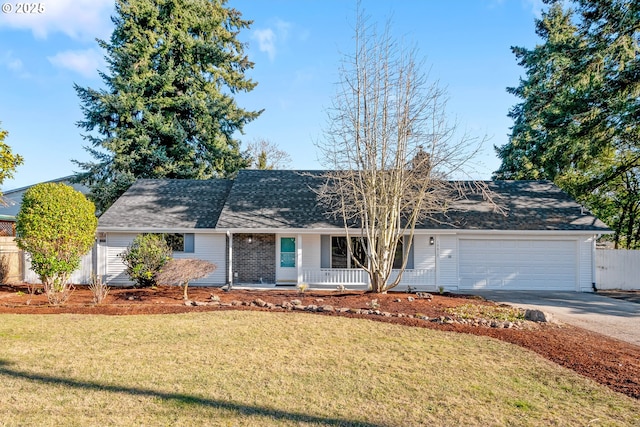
(390, 149)
(181, 271)
(264, 154)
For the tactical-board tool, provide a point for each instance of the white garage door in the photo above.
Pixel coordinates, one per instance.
(517, 264)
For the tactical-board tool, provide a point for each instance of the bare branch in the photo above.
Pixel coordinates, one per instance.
(390, 149)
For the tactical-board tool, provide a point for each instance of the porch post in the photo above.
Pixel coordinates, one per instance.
(299, 259)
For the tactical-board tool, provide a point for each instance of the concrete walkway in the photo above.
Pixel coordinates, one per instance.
(608, 316)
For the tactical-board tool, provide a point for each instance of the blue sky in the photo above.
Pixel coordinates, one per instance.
(296, 46)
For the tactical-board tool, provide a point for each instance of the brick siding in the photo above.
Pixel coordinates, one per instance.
(254, 257)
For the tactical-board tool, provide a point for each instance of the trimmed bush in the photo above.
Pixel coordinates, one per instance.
(145, 257)
(56, 225)
(181, 271)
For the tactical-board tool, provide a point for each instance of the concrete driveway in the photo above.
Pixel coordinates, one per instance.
(608, 316)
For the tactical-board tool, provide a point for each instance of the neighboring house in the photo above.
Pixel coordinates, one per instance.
(13, 198)
(267, 227)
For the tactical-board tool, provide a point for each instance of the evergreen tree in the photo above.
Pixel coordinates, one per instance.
(577, 123)
(8, 160)
(167, 110)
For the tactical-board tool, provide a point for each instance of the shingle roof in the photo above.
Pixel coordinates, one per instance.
(168, 204)
(259, 199)
(275, 199)
(529, 205)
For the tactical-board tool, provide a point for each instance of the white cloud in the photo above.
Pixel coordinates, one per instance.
(270, 40)
(78, 19)
(266, 42)
(11, 62)
(84, 62)
(536, 7)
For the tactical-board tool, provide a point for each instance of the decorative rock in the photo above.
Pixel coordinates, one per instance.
(319, 300)
(200, 303)
(355, 311)
(386, 314)
(537, 316)
(259, 302)
(296, 302)
(299, 307)
(424, 295)
(411, 299)
(397, 300)
(287, 305)
(343, 310)
(312, 307)
(327, 308)
(236, 303)
(188, 303)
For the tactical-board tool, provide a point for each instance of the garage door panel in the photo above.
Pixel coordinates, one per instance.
(517, 264)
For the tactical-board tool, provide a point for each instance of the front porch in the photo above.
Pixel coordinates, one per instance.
(266, 260)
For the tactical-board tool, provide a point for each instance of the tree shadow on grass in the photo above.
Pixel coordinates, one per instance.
(182, 398)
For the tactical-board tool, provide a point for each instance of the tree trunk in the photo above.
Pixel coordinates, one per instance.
(184, 295)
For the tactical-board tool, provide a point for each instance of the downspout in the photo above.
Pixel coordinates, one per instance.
(593, 263)
(230, 258)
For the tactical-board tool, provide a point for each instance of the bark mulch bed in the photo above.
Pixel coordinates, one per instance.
(608, 361)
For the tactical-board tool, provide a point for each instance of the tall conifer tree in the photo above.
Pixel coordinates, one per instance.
(578, 120)
(167, 109)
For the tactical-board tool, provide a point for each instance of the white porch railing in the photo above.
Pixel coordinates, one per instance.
(335, 276)
(356, 276)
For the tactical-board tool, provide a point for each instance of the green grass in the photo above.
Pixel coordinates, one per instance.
(253, 368)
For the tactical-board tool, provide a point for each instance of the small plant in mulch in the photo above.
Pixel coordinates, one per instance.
(302, 287)
(98, 289)
(374, 304)
(473, 311)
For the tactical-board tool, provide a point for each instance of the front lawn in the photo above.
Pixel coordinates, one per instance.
(246, 368)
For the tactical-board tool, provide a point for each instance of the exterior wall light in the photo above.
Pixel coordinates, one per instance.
(431, 240)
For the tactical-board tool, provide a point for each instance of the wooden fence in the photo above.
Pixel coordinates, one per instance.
(617, 269)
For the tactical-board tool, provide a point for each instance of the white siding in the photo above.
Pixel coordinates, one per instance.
(212, 248)
(424, 254)
(209, 247)
(116, 244)
(447, 262)
(422, 276)
(310, 251)
(80, 276)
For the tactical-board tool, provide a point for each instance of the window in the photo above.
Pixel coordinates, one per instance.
(335, 253)
(340, 256)
(397, 257)
(179, 242)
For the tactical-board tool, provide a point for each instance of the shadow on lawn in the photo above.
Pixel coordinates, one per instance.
(181, 398)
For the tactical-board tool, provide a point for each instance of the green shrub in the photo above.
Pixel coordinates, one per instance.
(145, 257)
(56, 225)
